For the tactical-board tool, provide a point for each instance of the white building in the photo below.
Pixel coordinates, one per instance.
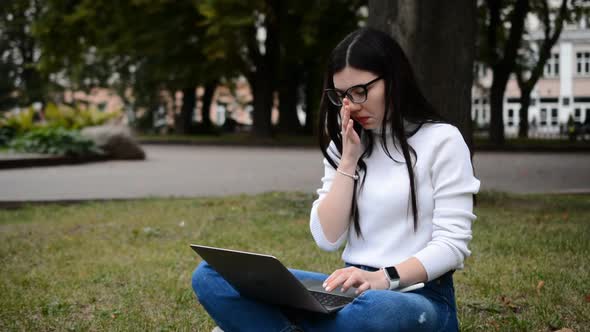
(563, 90)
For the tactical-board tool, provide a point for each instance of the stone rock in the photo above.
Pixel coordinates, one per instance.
(115, 140)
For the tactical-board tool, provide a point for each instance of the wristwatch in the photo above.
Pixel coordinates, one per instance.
(391, 275)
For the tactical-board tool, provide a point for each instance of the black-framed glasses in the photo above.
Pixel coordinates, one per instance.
(356, 94)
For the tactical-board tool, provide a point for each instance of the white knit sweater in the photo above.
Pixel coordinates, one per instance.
(444, 187)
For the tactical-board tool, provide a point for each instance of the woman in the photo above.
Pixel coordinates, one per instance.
(398, 189)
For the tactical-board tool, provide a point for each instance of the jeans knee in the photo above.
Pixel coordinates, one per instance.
(411, 314)
(199, 279)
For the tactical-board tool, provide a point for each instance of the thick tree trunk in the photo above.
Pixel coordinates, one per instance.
(288, 120)
(443, 65)
(313, 93)
(289, 70)
(263, 93)
(497, 111)
(503, 60)
(265, 76)
(526, 87)
(523, 114)
(183, 122)
(206, 124)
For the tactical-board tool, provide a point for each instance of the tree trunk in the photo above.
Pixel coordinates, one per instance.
(497, 105)
(264, 77)
(313, 88)
(288, 96)
(184, 120)
(262, 91)
(206, 124)
(443, 65)
(503, 63)
(523, 114)
(526, 87)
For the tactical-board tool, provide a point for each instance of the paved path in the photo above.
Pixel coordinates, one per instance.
(204, 170)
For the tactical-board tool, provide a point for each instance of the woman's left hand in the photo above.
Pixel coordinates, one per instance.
(355, 277)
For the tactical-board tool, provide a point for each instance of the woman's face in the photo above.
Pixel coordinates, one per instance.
(369, 114)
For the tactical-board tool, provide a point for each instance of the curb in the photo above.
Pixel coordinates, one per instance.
(48, 161)
(241, 144)
(8, 205)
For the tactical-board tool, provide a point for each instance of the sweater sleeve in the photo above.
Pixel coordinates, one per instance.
(314, 221)
(453, 184)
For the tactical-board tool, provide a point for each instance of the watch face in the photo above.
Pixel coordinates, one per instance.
(392, 273)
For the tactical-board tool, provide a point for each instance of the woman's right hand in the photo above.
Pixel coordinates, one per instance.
(351, 142)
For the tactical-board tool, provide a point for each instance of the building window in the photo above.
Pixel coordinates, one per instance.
(510, 117)
(583, 63)
(565, 101)
(552, 66)
(474, 114)
(554, 117)
(543, 121)
(578, 115)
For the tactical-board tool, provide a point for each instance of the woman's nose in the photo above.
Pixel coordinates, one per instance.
(352, 106)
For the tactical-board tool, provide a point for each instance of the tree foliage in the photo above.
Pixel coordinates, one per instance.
(149, 46)
(507, 46)
(22, 83)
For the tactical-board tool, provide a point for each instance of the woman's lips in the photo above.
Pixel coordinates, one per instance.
(362, 120)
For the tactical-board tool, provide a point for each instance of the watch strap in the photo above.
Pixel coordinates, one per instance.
(392, 276)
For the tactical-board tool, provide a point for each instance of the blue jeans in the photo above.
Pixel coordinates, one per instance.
(431, 308)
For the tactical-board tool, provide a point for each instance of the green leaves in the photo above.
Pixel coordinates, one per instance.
(55, 141)
(76, 118)
(20, 122)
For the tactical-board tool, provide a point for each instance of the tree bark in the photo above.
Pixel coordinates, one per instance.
(263, 91)
(265, 73)
(503, 63)
(497, 106)
(313, 84)
(443, 65)
(288, 96)
(527, 86)
(183, 122)
(206, 124)
(289, 71)
(523, 114)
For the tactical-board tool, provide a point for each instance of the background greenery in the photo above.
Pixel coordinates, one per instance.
(127, 265)
(58, 133)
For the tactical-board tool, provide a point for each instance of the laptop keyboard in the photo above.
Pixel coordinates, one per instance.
(331, 300)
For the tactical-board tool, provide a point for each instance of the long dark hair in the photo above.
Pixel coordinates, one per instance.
(375, 51)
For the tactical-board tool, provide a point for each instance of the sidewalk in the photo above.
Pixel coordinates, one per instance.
(189, 171)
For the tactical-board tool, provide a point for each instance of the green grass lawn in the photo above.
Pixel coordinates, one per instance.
(126, 265)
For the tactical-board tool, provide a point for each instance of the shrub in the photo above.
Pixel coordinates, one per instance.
(74, 118)
(57, 141)
(6, 134)
(20, 122)
(13, 125)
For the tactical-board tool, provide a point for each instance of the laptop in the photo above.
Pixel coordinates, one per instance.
(265, 278)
